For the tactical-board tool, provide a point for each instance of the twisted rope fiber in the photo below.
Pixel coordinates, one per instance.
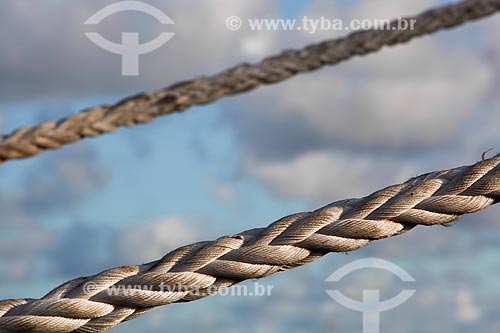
(144, 107)
(435, 198)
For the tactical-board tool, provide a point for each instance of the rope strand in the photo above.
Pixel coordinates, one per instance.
(102, 301)
(144, 107)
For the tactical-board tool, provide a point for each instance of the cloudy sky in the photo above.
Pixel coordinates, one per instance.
(244, 161)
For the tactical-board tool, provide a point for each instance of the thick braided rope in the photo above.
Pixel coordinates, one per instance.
(144, 107)
(435, 198)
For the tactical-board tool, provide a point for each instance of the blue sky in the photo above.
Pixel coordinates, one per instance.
(242, 162)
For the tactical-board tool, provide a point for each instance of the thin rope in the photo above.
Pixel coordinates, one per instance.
(201, 269)
(144, 107)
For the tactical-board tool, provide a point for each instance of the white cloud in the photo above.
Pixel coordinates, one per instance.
(222, 191)
(151, 241)
(257, 45)
(467, 311)
(322, 176)
(413, 95)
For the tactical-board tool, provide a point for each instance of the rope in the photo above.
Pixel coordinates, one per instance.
(435, 198)
(144, 107)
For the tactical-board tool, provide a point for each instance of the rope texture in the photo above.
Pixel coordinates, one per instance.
(435, 198)
(144, 107)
